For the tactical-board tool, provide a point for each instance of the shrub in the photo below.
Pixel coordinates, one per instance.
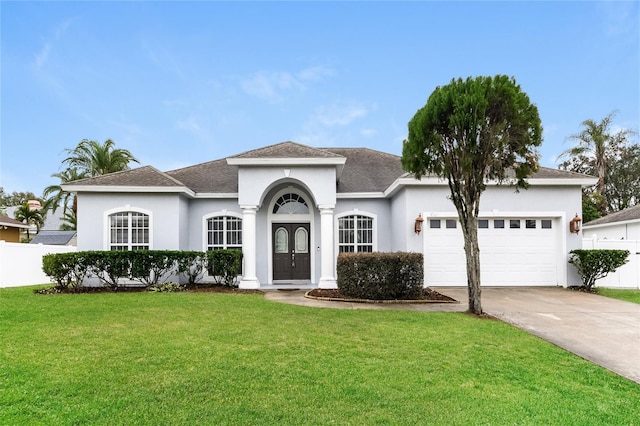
(595, 264)
(166, 288)
(151, 266)
(381, 276)
(225, 266)
(191, 265)
(58, 268)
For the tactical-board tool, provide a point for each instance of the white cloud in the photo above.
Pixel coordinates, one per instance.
(42, 56)
(368, 132)
(340, 114)
(271, 86)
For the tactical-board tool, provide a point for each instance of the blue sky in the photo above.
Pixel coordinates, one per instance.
(180, 83)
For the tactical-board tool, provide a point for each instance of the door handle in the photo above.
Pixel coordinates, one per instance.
(293, 260)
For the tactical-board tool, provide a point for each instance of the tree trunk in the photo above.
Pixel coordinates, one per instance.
(472, 251)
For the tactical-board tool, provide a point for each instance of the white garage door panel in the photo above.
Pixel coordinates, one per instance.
(509, 257)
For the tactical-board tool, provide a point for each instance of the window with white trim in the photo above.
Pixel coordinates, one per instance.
(355, 234)
(128, 231)
(224, 232)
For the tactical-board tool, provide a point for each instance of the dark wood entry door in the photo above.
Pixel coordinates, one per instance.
(291, 251)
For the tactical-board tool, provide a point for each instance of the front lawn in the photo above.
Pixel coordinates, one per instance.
(207, 358)
(627, 295)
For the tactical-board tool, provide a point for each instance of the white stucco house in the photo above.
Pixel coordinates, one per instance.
(622, 225)
(292, 208)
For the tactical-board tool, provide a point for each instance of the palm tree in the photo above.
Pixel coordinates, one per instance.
(29, 216)
(94, 159)
(54, 195)
(593, 148)
(70, 221)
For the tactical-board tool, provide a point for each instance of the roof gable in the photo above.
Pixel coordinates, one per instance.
(287, 150)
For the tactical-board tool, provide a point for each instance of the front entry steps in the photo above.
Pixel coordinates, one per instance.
(289, 286)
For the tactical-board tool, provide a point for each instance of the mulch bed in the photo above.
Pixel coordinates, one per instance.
(428, 296)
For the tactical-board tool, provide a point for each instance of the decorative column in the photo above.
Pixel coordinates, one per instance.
(327, 257)
(249, 279)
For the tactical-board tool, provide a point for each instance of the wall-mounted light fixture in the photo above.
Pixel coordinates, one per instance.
(574, 225)
(417, 227)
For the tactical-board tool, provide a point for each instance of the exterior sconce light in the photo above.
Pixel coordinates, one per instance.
(574, 225)
(417, 227)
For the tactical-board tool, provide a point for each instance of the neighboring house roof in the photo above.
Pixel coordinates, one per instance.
(631, 214)
(359, 170)
(11, 223)
(52, 237)
(51, 221)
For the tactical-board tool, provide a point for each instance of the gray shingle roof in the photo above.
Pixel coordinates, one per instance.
(213, 177)
(141, 176)
(287, 150)
(632, 213)
(365, 170)
(59, 238)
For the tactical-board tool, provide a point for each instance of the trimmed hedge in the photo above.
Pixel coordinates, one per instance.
(225, 265)
(595, 264)
(148, 267)
(381, 276)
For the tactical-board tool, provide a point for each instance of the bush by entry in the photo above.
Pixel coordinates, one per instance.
(381, 276)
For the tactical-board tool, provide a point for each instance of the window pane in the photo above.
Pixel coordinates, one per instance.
(434, 223)
(530, 224)
(546, 224)
(514, 223)
(483, 223)
(451, 223)
(302, 239)
(498, 223)
(282, 241)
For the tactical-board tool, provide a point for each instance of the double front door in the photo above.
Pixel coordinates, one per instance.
(291, 252)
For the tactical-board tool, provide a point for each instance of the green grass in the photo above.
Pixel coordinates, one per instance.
(206, 358)
(627, 295)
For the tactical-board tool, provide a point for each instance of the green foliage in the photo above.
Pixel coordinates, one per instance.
(148, 267)
(191, 265)
(229, 359)
(590, 209)
(627, 295)
(225, 266)
(381, 276)
(166, 288)
(601, 152)
(91, 158)
(15, 198)
(471, 131)
(29, 216)
(595, 264)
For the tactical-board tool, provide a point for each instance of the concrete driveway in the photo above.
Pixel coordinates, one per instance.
(602, 330)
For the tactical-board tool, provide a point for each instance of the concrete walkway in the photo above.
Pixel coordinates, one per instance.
(602, 330)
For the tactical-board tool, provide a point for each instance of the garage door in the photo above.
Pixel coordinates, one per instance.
(513, 251)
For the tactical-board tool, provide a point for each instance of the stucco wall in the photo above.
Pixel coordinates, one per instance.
(165, 211)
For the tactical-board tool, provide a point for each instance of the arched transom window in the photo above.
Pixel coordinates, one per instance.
(291, 203)
(128, 231)
(224, 232)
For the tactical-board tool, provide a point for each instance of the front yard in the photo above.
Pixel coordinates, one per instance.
(207, 358)
(621, 294)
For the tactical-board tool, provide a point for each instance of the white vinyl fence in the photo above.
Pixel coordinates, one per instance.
(21, 264)
(627, 276)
